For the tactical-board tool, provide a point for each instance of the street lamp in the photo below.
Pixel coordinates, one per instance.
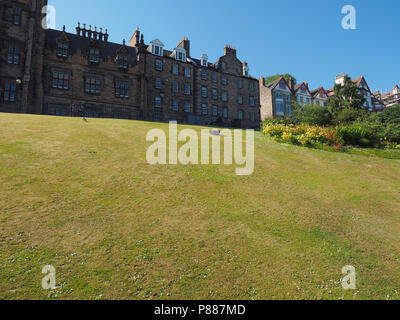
(18, 81)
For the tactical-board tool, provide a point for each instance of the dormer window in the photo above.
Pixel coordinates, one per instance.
(246, 71)
(157, 47)
(17, 16)
(180, 54)
(62, 50)
(123, 62)
(204, 60)
(94, 55)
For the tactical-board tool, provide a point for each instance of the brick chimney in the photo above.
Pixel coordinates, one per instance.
(185, 43)
(230, 51)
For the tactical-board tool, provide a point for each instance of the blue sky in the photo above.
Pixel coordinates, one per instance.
(304, 38)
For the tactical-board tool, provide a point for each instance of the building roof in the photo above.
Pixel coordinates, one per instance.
(272, 85)
(315, 92)
(107, 49)
(300, 85)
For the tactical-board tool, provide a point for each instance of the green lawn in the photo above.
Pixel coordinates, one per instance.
(81, 197)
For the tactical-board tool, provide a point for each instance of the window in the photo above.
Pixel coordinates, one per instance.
(224, 96)
(252, 116)
(175, 105)
(246, 71)
(180, 54)
(204, 60)
(60, 80)
(288, 110)
(94, 55)
(92, 85)
(204, 92)
(240, 84)
(121, 89)
(158, 83)
(288, 98)
(251, 86)
(252, 102)
(215, 111)
(17, 16)
(224, 81)
(123, 62)
(159, 65)
(58, 111)
(282, 86)
(157, 50)
(187, 72)
(215, 94)
(240, 99)
(175, 69)
(225, 112)
(13, 55)
(188, 107)
(278, 95)
(214, 78)
(157, 102)
(240, 115)
(279, 109)
(175, 87)
(9, 91)
(187, 88)
(204, 108)
(62, 50)
(203, 75)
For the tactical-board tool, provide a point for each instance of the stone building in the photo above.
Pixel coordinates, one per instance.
(276, 98)
(59, 73)
(21, 55)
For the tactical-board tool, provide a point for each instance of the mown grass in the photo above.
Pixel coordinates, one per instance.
(81, 197)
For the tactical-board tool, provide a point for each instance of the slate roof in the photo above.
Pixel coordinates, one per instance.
(107, 49)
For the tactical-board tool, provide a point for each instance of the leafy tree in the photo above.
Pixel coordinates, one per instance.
(391, 115)
(286, 76)
(311, 114)
(346, 96)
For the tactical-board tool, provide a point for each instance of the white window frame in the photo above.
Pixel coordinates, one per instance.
(157, 48)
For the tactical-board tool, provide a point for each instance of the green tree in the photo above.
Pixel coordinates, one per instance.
(311, 114)
(346, 96)
(286, 76)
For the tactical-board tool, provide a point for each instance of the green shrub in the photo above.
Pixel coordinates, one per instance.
(357, 135)
(391, 115)
(348, 115)
(313, 115)
(391, 132)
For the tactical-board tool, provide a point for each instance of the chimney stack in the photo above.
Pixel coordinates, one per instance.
(135, 39)
(230, 51)
(185, 44)
(78, 29)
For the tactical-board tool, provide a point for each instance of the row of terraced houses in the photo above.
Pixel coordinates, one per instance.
(55, 72)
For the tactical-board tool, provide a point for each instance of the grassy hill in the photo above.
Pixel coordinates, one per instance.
(81, 197)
